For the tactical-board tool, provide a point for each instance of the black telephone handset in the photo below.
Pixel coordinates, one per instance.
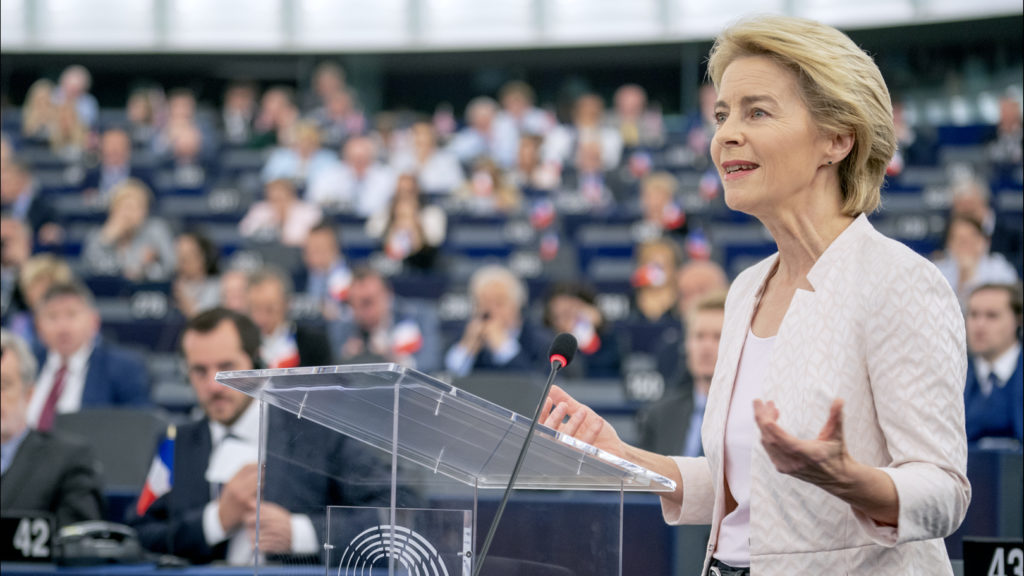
(98, 542)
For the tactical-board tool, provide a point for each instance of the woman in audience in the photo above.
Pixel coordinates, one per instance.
(409, 231)
(654, 280)
(196, 287)
(658, 204)
(530, 172)
(438, 171)
(39, 112)
(968, 262)
(282, 216)
(69, 137)
(489, 191)
(302, 161)
(35, 277)
(143, 111)
(131, 243)
(572, 307)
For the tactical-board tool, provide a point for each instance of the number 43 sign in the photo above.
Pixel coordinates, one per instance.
(993, 557)
(26, 538)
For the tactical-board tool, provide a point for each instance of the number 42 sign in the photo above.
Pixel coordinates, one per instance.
(26, 538)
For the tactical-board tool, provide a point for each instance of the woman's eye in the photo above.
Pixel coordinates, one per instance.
(758, 113)
(719, 117)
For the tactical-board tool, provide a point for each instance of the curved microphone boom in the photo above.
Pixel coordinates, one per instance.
(561, 353)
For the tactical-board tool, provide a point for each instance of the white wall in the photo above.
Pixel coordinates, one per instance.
(409, 25)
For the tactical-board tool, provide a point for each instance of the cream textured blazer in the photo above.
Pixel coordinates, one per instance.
(882, 330)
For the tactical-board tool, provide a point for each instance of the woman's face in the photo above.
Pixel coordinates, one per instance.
(564, 311)
(767, 147)
(133, 209)
(965, 242)
(190, 258)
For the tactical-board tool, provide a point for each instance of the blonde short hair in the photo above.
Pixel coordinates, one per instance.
(44, 266)
(840, 84)
(496, 273)
(131, 187)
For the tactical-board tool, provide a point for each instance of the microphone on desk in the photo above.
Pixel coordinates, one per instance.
(561, 353)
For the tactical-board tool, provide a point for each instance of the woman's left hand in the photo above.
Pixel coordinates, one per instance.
(823, 461)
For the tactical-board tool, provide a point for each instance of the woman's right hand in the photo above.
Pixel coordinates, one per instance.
(583, 423)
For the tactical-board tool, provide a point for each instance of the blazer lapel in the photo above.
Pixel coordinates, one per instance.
(20, 472)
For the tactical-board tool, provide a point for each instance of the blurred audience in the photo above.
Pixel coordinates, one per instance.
(196, 287)
(994, 394)
(972, 197)
(409, 232)
(480, 137)
(638, 125)
(378, 327)
(968, 263)
(588, 124)
(328, 278)
(696, 279)
(281, 217)
(359, 184)
(79, 369)
(437, 171)
(69, 137)
(238, 114)
(659, 204)
(115, 166)
(517, 117)
(73, 87)
(655, 296)
(328, 79)
(146, 112)
(338, 118)
(42, 471)
(234, 290)
(301, 162)
(131, 243)
(572, 307)
(38, 113)
(531, 173)
(20, 200)
(1006, 149)
(489, 190)
(285, 344)
(496, 335)
(15, 250)
(34, 279)
(276, 119)
(673, 425)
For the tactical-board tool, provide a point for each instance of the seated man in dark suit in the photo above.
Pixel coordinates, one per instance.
(41, 471)
(994, 393)
(672, 425)
(496, 337)
(285, 343)
(209, 513)
(115, 166)
(377, 326)
(80, 370)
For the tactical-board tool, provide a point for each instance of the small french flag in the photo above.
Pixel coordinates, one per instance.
(160, 478)
(339, 282)
(406, 338)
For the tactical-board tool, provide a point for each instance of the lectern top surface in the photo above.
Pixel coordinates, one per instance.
(440, 427)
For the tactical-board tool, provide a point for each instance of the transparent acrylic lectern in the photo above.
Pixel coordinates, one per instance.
(378, 469)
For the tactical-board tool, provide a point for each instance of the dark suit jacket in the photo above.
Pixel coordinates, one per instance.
(532, 345)
(115, 377)
(314, 347)
(1000, 414)
(663, 425)
(322, 468)
(56, 474)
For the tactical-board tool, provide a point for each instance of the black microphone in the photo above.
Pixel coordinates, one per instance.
(561, 353)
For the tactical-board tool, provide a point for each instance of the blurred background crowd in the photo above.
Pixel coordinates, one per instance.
(454, 234)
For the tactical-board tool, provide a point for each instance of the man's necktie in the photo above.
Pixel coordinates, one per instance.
(50, 407)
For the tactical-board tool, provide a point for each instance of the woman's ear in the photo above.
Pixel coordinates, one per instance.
(839, 147)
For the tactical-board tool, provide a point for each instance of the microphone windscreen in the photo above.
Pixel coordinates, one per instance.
(564, 346)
